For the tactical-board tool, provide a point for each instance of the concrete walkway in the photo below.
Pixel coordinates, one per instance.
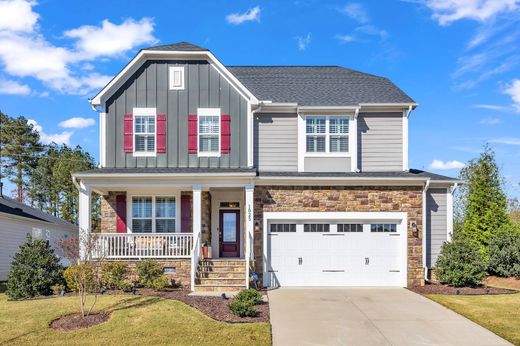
(368, 316)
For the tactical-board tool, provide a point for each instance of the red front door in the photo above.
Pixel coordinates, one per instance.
(229, 235)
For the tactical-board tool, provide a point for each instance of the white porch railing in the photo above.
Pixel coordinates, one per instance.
(139, 245)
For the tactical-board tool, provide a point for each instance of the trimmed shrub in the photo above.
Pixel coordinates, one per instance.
(34, 270)
(114, 274)
(250, 295)
(242, 308)
(504, 252)
(461, 263)
(150, 274)
(126, 286)
(83, 272)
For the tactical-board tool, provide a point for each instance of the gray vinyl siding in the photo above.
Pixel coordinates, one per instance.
(436, 223)
(380, 142)
(327, 164)
(276, 142)
(204, 88)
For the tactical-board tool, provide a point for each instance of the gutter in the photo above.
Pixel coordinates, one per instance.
(426, 186)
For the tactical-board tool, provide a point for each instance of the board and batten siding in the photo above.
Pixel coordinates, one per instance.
(13, 233)
(436, 223)
(380, 142)
(148, 88)
(276, 142)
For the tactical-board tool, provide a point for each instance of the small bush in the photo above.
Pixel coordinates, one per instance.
(126, 286)
(34, 269)
(150, 274)
(504, 253)
(56, 289)
(161, 282)
(250, 295)
(82, 272)
(461, 262)
(242, 308)
(113, 275)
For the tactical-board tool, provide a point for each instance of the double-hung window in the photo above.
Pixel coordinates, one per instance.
(144, 134)
(209, 131)
(154, 214)
(327, 134)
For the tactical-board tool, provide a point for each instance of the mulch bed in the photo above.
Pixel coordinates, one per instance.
(496, 281)
(444, 289)
(214, 307)
(76, 321)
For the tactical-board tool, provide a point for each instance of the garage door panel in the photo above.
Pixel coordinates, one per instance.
(326, 257)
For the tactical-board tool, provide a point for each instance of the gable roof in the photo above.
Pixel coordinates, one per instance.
(318, 85)
(181, 47)
(13, 207)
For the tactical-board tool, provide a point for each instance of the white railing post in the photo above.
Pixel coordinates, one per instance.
(250, 215)
(197, 221)
(84, 216)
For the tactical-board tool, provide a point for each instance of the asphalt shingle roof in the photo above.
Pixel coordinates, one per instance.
(318, 85)
(181, 46)
(13, 207)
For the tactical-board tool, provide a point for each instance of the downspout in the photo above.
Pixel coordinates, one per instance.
(426, 186)
(409, 111)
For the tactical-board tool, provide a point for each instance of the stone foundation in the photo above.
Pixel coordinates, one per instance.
(345, 199)
(181, 277)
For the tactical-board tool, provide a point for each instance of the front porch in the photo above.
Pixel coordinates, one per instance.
(207, 227)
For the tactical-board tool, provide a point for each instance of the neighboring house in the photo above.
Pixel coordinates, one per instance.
(302, 170)
(17, 220)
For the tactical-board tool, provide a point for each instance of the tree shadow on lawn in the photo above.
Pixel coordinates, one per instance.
(124, 304)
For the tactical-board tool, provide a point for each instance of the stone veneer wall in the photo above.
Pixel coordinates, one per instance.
(205, 225)
(181, 277)
(108, 221)
(345, 199)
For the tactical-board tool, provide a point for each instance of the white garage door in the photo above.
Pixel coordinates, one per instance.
(336, 253)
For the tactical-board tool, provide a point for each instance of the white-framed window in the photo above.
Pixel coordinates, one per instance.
(176, 78)
(326, 134)
(154, 214)
(208, 132)
(145, 132)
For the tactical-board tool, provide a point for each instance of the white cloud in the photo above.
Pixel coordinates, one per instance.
(303, 41)
(445, 12)
(58, 138)
(346, 38)
(492, 107)
(506, 140)
(253, 14)
(25, 52)
(17, 15)
(439, 164)
(356, 12)
(77, 123)
(11, 87)
(111, 39)
(490, 121)
(513, 90)
(372, 30)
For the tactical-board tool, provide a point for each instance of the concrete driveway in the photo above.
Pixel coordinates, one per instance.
(368, 316)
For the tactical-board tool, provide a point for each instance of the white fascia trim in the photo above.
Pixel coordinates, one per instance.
(164, 175)
(389, 105)
(333, 181)
(405, 142)
(327, 109)
(102, 139)
(41, 224)
(133, 65)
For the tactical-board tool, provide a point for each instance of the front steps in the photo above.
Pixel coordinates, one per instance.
(220, 275)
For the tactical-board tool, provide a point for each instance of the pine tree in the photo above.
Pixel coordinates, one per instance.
(20, 149)
(485, 202)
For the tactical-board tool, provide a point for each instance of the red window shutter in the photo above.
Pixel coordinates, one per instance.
(121, 214)
(161, 133)
(192, 133)
(225, 133)
(129, 133)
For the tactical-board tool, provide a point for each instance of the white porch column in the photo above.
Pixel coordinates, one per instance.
(197, 221)
(85, 212)
(249, 217)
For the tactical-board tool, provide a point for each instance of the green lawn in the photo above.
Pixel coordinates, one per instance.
(498, 313)
(134, 321)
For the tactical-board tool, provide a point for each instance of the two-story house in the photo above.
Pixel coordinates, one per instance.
(298, 173)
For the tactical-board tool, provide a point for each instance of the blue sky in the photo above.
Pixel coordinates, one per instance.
(459, 59)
